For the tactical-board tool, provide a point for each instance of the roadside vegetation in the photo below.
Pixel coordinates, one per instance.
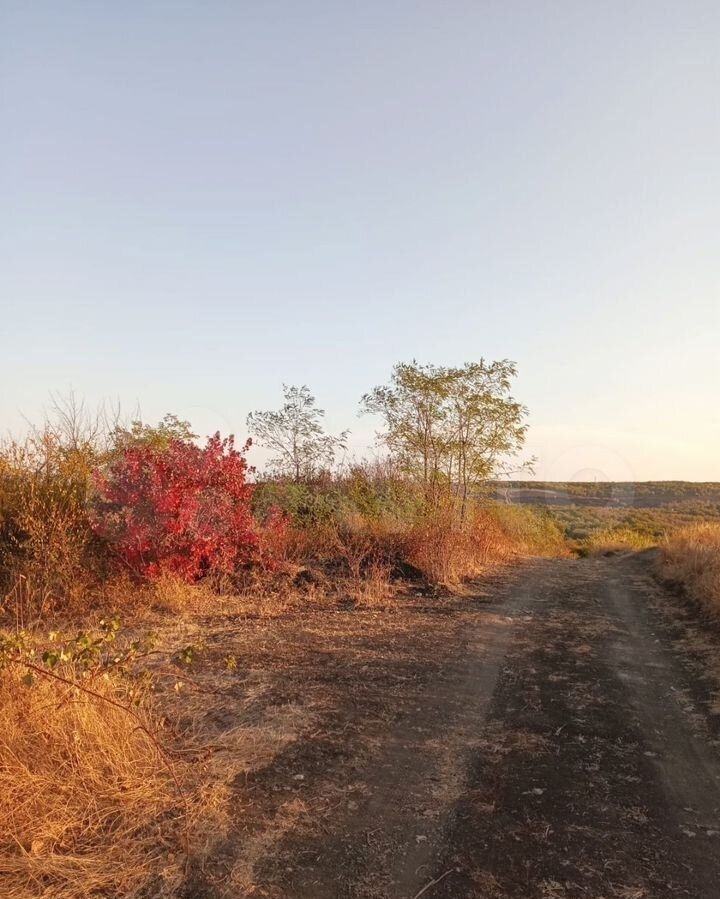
(691, 559)
(90, 803)
(613, 540)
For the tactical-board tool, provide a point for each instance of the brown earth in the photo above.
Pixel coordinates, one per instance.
(556, 734)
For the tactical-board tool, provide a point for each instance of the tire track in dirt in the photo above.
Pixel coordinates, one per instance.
(387, 845)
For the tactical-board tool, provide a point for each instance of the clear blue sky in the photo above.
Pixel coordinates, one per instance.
(203, 200)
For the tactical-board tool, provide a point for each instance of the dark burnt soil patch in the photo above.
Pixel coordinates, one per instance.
(553, 735)
(577, 788)
(695, 638)
(317, 733)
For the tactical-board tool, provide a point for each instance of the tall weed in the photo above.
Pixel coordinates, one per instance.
(691, 558)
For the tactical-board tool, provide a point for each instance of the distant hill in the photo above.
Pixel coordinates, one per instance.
(608, 494)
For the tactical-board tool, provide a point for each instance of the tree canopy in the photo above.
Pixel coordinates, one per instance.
(451, 427)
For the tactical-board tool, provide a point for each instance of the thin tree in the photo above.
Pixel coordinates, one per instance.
(487, 425)
(296, 436)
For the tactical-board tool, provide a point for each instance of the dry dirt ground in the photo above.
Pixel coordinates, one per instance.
(554, 734)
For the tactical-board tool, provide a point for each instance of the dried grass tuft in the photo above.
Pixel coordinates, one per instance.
(88, 806)
(691, 558)
(608, 540)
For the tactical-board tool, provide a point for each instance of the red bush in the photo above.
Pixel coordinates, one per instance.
(179, 509)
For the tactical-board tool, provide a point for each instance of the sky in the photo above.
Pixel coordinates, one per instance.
(202, 201)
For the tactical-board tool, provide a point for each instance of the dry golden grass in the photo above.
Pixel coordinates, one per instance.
(373, 587)
(88, 806)
(448, 551)
(529, 531)
(691, 557)
(616, 540)
(43, 493)
(21, 608)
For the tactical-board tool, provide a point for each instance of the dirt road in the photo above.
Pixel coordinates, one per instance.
(555, 735)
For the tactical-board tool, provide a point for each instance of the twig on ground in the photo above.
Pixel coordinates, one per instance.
(433, 883)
